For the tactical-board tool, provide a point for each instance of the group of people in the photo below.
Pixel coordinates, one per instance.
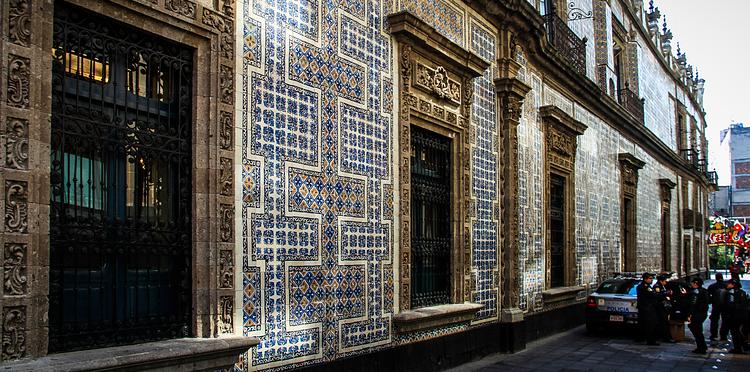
(664, 300)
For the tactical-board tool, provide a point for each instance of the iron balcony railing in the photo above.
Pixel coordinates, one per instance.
(713, 178)
(691, 156)
(566, 42)
(630, 101)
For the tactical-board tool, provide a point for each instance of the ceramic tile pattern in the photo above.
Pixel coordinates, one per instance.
(317, 155)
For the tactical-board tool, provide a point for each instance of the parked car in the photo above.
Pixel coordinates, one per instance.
(613, 303)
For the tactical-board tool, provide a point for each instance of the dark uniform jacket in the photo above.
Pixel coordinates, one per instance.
(663, 303)
(647, 297)
(717, 292)
(735, 304)
(699, 300)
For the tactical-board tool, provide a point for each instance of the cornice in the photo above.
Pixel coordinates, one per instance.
(553, 114)
(405, 26)
(629, 160)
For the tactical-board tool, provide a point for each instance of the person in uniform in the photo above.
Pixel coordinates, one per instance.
(697, 314)
(663, 307)
(717, 293)
(647, 312)
(735, 312)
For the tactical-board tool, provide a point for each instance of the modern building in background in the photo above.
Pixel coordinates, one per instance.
(360, 184)
(732, 165)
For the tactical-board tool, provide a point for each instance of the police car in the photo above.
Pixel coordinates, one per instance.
(614, 302)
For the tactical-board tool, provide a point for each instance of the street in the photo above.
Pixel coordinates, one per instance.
(576, 350)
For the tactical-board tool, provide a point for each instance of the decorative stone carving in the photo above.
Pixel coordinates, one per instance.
(18, 81)
(182, 7)
(561, 135)
(226, 306)
(226, 84)
(14, 269)
(226, 222)
(437, 81)
(16, 207)
(629, 166)
(226, 269)
(14, 332)
(226, 122)
(17, 144)
(19, 22)
(228, 8)
(226, 186)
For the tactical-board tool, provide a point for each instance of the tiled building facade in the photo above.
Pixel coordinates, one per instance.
(573, 148)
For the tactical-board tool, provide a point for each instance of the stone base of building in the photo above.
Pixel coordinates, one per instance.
(448, 351)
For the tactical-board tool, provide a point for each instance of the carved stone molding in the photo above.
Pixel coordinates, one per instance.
(19, 22)
(226, 269)
(629, 166)
(226, 172)
(666, 186)
(16, 207)
(225, 27)
(226, 84)
(19, 72)
(510, 95)
(561, 133)
(14, 332)
(436, 93)
(226, 130)
(226, 222)
(227, 6)
(15, 281)
(184, 8)
(226, 314)
(17, 143)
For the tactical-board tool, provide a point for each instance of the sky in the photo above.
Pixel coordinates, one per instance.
(713, 34)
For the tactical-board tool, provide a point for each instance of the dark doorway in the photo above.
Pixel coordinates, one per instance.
(430, 218)
(557, 230)
(666, 256)
(628, 235)
(120, 221)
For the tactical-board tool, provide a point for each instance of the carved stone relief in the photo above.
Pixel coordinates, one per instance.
(225, 27)
(226, 186)
(18, 81)
(226, 314)
(17, 144)
(182, 7)
(226, 222)
(226, 269)
(226, 84)
(19, 22)
(14, 269)
(438, 83)
(14, 332)
(226, 131)
(16, 207)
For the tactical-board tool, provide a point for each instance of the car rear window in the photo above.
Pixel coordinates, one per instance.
(618, 287)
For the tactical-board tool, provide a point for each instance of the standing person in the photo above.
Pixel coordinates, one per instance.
(663, 307)
(647, 316)
(698, 313)
(717, 293)
(734, 310)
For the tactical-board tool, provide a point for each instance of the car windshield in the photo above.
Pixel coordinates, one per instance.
(618, 286)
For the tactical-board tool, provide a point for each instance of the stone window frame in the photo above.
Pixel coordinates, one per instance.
(561, 133)
(436, 93)
(629, 167)
(666, 186)
(211, 33)
(681, 129)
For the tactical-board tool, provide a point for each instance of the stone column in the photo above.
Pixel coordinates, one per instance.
(510, 94)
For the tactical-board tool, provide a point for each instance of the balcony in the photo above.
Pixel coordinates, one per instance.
(630, 101)
(567, 44)
(713, 178)
(691, 156)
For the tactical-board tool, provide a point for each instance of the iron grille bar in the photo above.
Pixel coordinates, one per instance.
(430, 215)
(120, 184)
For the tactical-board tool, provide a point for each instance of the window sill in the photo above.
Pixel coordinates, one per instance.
(435, 316)
(194, 354)
(561, 294)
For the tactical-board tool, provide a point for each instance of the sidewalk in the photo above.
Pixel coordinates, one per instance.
(576, 350)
